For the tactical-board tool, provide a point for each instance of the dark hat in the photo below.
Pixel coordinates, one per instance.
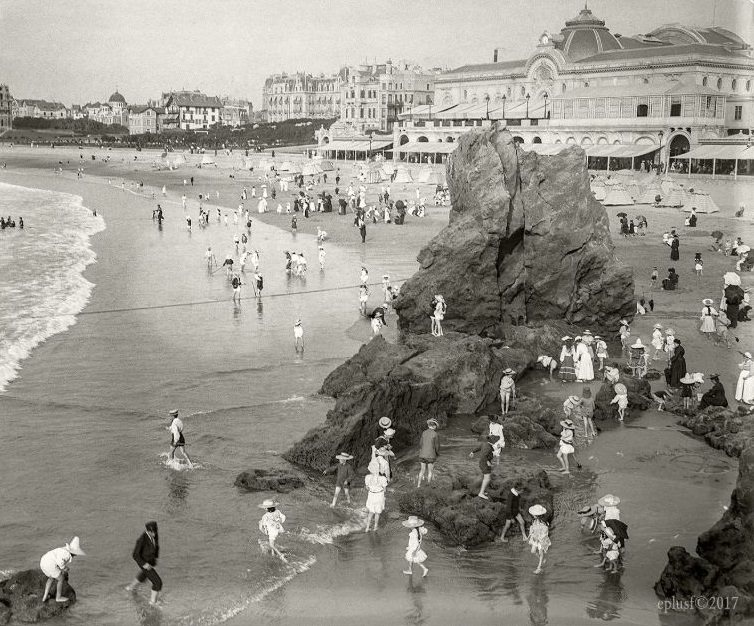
(714, 376)
(151, 526)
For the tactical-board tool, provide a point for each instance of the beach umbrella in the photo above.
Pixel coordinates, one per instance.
(717, 234)
(742, 249)
(734, 294)
(731, 278)
(641, 218)
(620, 388)
(622, 214)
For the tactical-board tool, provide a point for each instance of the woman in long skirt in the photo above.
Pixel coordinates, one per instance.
(567, 370)
(677, 365)
(708, 318)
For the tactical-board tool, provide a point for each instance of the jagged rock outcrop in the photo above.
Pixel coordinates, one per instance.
(451, 504)
(531, 424)
(526, 242)
(639, 399)
(21, 597)
(725, 565)
(279, 480)
(423, 377)
(723, 429)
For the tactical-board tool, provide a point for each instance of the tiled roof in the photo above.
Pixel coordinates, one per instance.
(191, 99)
(661, 52)
(137, 109)
(486, 67)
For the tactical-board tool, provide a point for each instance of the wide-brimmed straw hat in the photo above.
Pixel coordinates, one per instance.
(389, 432)
(268, 504)
(577, 338)
(707, 302)
(638, 343)
(587, 510)
(537, 510)
(574, 399)
(298, 323)
(344, 456)
(658, 326)
(433, 422)
(75, 547)
(567, 424)
(566, 338)
(669, 331)
(597, 337)
(174, 413)
(385, 422)
(688, 379)
(623, 323)
(747, 355)
(587, 332)
(609, 500)
(373, 467)
(508, 370)
(412, 522)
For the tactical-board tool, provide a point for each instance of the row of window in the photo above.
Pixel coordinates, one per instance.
(315, 87)
(733, 83)
(629, 107)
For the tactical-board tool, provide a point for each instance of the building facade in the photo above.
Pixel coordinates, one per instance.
(39, 109)
(191, 110)
(6, 108)
(114, 111)
(145, 119)
(667, 90)
(235, 113)
(301, 95)
(374, 96)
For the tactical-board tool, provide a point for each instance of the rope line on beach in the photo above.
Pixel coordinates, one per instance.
(151, 307)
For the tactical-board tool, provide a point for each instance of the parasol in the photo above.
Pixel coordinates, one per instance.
(620, 389)
(717, 234)
(731, 278)
(622, 214)
(734, 294)
(742, 249)
(640, 218)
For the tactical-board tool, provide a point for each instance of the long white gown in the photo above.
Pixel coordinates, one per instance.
(583, 362)
(745, 386)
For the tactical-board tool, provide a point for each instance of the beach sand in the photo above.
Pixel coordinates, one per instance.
(160, 333)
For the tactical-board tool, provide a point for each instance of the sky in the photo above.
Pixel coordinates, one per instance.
(75, 51)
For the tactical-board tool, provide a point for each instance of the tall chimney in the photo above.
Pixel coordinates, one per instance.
(494, 56)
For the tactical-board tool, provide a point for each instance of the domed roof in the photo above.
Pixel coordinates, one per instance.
(116, 97)
(586, 35)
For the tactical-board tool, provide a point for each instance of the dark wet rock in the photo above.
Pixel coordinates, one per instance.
(21, 595)
(529, 425)
(374, 360)
(526, 242)
(722, 428)
(724, 567)
(639, 399)
(451, 504)
(279, 480)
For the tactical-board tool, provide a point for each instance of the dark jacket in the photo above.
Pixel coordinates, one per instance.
(146, 551)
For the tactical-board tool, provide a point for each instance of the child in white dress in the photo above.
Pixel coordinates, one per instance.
(271, 525)
(414, 552)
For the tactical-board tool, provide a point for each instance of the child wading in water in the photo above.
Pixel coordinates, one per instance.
(271, 525)
(414, 552)
(621, 399)
(566, 445)
(343, 477)
(513, 513)
(587, 413)
(485, 463)
(539, 538)
(601, 351)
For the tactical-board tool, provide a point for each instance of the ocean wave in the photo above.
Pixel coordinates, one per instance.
(45, 288)
(324, 534)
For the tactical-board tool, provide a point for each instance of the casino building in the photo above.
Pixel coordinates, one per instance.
(630, 99)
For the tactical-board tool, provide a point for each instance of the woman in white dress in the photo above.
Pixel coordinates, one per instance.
(708, 318)
(657, 342)
(583, 362)
(496, 428)
(669, 343)
(745, 386)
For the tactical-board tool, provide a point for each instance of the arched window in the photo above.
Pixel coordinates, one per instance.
(518, 140)
(422, 139)
(719, 83)
(537, 140)
(733, 84)
(704, 81)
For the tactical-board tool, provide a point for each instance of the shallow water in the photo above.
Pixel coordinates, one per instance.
(84, 442)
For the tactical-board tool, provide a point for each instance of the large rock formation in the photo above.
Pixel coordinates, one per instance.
(21, 598)
(279, 480)
(466, 520)
(526, 242)
(422, 378)
(724, 429)
(639, 398)
(725, 565)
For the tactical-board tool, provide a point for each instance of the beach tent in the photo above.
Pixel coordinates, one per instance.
(286, 167)
(264, 164)
(387, 170)
(617, 195)
(326, 166)
(667, 185)
(403, 176)
(702, 202)
(599, 192)
(310, 169)
(633, 189)
(650, 193)
(677, 197)
(208, 160)
(179, 160)
(432, 177)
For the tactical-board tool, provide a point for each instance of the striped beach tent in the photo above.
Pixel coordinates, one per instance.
(617, 196)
